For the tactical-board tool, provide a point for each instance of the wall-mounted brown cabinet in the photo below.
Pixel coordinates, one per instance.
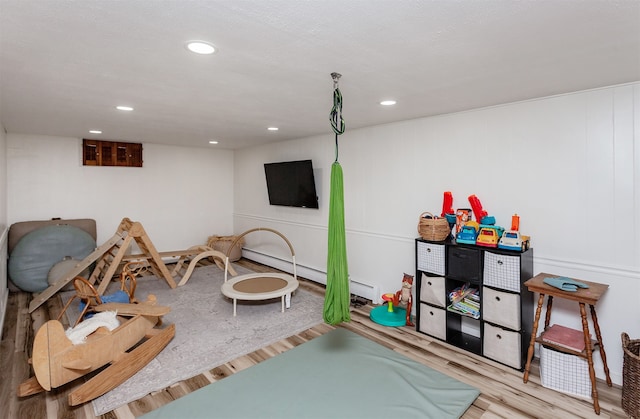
(111, 153)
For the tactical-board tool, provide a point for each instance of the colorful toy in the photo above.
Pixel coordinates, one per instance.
(476, 206)
(488, 236)
(510, 240)
(513, 240)
(391, 314)
(515, 222)
(467, 235)
(389, 299)
(488, 220)
(447, 203)
(403, 297)
(462, 216)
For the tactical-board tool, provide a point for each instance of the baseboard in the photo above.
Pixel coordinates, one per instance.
(368, 291)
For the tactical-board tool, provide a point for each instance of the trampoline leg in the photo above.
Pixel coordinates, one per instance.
(234, 307)
(288, 300)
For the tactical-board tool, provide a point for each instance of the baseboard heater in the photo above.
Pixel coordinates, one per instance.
(370, 292)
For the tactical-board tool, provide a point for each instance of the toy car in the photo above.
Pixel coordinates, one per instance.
(467, 235)
(488, 236)
(513, 240)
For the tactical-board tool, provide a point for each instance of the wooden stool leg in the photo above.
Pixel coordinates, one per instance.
(534, 333)
(547, 317)
(603, 355)
(592, 372)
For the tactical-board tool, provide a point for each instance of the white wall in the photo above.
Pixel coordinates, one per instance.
(568, 165)
(181, 195)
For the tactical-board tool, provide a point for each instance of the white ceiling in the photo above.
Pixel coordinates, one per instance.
(65, 65)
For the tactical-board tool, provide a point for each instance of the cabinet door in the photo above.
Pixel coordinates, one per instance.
(106, 153)
(430, 257)
(432, 290)
(128, 154)
(433, 321)
(135, 154)
(502, 271)
(90, 153)
(501, 308)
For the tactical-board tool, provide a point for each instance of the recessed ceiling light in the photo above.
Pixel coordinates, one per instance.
(124, 108)
(213, 142)
(273, 128)
(388, 102)
(201, 47)
(95, 131)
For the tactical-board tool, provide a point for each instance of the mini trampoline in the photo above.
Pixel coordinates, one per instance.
(260, 286)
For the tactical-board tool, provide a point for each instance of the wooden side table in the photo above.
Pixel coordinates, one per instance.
(582, 296)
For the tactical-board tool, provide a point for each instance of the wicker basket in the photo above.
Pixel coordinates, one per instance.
(434, 228)
(222, 244)
(631, 376)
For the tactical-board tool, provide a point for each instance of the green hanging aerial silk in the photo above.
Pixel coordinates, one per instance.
(338, 296)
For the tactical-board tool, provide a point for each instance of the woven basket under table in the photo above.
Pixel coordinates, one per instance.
(631, 376)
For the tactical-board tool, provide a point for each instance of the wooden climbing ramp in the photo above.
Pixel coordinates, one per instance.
(108, 257)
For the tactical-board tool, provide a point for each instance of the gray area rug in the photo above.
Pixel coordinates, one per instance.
(207, 334)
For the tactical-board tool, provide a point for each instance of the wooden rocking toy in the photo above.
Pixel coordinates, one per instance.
(57, 361)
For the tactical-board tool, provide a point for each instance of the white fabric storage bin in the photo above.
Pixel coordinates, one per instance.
(502, 345)
(564, 372)
(433, 321)
(431, 258)
(501, 271)
(432, 290)
(501, 308)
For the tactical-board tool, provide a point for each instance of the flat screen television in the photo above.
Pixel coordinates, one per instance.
(291, 184)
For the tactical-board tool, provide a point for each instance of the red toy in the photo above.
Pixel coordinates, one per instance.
(515, 222)
(476, 206)
(447, 204)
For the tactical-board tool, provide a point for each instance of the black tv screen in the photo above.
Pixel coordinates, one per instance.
(291, 184)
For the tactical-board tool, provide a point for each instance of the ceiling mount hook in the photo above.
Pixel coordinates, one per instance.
(335, 77)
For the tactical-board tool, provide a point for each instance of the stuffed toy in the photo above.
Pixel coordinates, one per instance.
(403, 297)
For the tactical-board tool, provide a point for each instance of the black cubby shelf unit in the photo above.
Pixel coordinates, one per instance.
(502, 330)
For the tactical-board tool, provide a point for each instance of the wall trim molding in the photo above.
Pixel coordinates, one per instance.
(364, 233)
(620, 271)
(588, 267)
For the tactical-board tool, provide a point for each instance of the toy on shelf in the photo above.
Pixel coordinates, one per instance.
(476, 206)
(462, 216)
(468, 234)
(515, 222)
(489, 235)
(512, 239)
(447, 204)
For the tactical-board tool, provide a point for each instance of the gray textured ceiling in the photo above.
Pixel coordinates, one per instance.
(65, 65)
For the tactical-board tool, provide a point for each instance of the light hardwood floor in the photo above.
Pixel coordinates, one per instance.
(503, 394)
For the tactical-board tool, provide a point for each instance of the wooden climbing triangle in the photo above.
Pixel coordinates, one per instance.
(108, 257)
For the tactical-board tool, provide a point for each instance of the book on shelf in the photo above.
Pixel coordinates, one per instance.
(564, 337)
